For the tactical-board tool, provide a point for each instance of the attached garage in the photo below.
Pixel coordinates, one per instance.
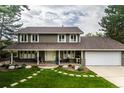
(103, 58)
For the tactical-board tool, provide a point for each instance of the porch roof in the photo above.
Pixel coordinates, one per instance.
(87, 43)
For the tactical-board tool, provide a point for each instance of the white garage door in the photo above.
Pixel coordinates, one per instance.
(103, 58)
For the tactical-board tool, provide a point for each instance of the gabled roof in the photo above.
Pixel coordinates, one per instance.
(50, 30)
(87, 43)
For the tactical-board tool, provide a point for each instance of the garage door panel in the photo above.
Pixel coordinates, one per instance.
(103, 58)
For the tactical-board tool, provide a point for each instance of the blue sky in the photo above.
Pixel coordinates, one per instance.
(85, 17)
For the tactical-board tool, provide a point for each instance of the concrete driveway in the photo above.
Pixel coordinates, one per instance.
(114, 74)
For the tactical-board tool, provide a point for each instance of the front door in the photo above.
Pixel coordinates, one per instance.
(50, 56)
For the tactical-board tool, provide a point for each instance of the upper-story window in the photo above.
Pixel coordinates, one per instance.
(23, 38)
(34, 38)
(73, 38)
(61, 38)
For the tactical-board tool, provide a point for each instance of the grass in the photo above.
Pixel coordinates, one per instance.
(51, 79)
(76, 71)
(9, 77)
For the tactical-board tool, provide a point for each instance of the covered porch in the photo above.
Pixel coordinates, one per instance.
(43, 57)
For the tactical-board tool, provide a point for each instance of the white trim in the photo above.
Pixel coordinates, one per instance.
(59, 57)
(73, 40)
(11, 61)
(68, 49)
(21, 36)
(38, 62)
(37, 35)
(61, 41)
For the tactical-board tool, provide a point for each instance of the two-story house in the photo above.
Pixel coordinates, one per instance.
(65, 44)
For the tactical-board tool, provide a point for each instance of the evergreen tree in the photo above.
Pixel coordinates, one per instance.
(10, 16)
(113, 22)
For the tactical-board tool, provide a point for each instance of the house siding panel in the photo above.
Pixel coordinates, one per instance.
(47, 38)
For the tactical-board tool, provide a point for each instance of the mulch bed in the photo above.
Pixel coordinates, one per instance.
(3, 69)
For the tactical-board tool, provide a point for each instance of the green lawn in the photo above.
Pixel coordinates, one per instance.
(9, 77)
(51, 79)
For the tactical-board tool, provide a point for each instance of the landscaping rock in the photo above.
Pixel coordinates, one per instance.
(28, 67)
(65, 66)
(11, 67)
(1, 64)
(76, 67)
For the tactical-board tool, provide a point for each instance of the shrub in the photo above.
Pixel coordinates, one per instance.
(81, 68)
(60, 66)
(70, 65)
(23, 65)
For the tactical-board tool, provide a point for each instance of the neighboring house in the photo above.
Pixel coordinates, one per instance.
(64, 44)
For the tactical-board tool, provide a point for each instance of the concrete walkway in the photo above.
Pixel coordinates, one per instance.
(114, 74)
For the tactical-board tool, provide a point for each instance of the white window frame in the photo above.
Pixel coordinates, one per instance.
(21, 36)
(27, 55)
(63, 40)
(37, 38)
(72, 41)
(71, 55)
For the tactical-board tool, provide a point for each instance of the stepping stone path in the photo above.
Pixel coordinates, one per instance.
(38, 71)
(98, 76)
(4, 87)
(78, 75)
(23, 80)
(41, 69)
(52, 69)
(35, 74)
(29, 77)
(71, 74)
(55, 70)
(65, 73)
(91, 76)
(14, 84)
(85, 75)
(60, 72)
(75, 75)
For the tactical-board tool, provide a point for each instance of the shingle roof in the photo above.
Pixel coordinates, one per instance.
(87, 43)
(50, 30)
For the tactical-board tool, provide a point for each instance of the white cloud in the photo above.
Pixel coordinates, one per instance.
(85, 17)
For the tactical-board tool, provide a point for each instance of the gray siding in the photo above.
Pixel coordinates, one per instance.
(47, 38)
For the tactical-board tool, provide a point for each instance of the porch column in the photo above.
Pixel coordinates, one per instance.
(59, 57)
(83, 58)
(38, 62)
(11, 60)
